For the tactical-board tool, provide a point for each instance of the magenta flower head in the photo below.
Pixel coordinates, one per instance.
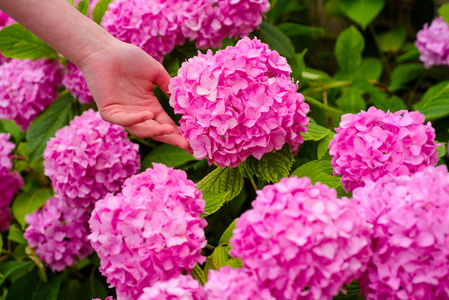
(238, 102)
(10, 182)
(154, 26)
(75, 82)
(89, 158)
(27, 87)
(433, 43)
(58, 233)
(182, 287)
(410, 215)
(234, 284)
(5, 218)
(150, 232)
(300, 235)
(208, 22)
(372, 144)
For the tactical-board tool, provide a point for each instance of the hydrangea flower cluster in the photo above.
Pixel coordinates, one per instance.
(5, 218)
(153, 25)
(433, 43)
(58, 233)
(410, 215)
(372, 144)
(208, 22)
(181, 287)
(26, 88)
(234, 284)
(238, 102)
(75, 82)
(10, 182)
(300, 235)
(150, 232)
(89, 158)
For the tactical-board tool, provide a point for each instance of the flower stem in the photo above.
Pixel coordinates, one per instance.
(210, 247)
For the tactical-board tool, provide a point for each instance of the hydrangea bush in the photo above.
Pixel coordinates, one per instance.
(317, 166)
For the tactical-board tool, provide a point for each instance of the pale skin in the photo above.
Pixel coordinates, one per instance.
(120, 76)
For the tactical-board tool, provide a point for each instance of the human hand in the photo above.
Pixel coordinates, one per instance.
(120, 77)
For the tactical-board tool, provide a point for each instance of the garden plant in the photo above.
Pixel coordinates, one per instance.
(317, 165)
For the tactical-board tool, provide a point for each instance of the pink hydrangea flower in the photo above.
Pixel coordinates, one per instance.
(300, 235)
(150, 232)
(181, 287)
(410, 215)
(27, 87)
(5, 21)
(5, 218)
(234, 284)
(10, 182)
(208, 22)
(372, 144)
(107, 298)
(238, 102)
(75, 82)
(89, 158)
(154, 26)
(433, 43)
(58, 233)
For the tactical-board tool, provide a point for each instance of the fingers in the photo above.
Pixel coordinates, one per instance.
(174, 139)
(150, 128)
(162, 80)
(127, 119)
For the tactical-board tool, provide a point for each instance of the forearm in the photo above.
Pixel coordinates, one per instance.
(60, 25)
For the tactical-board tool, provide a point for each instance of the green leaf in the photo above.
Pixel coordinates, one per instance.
(351, 100)
(295, 29)
(11, 127)
(370, 69)
(441, 150)
(220, 256)
(321, 111)
(99, 10)
(55, 116)
(315, 132)
(277, 40)
(214, 202)
(272, 166)
(361, 11)
(298, 70)
(404, 74)
(168, 155)
(227, 180)
(323, 146)
(28, 202)
(311, 74)
(443, 11)
(31, 287)
(83, 7)
(9, 267)
(277, 9)
(385, 103)
(16, 235)
(392, 40)
(318, 171)
(199, 275)
(435, 102)
(352, 293)
(348, 50)
(227, 234)
(17, 42)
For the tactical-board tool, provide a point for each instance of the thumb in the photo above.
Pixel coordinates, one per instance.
(162, 79)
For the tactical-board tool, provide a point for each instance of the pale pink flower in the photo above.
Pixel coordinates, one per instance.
(234, 284)
(150, 232)
(58, 233)
(182, 287)
(10, 182)
(300, 241)
(372, 144)
(208, 22)
(410, 218)
(433, 43)
(75, 82)
(239, 102)
(89, 158)
(27, 87)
